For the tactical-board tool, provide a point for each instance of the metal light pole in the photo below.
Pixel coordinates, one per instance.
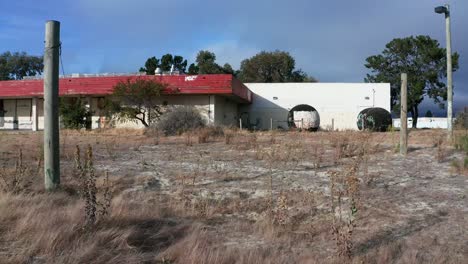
(446, 10)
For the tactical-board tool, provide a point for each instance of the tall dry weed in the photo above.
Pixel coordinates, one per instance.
(19, 179)
(95, 207)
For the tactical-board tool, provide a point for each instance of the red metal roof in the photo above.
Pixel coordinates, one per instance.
(213, 84)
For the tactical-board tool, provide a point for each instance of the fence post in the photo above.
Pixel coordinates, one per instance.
(404, 115)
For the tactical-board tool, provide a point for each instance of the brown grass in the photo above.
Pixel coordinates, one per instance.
(235, 197)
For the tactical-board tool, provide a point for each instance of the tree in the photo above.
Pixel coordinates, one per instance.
(165, 64)
(227, 68)
(429, 114)
(74, 114)
(15, 66)
(193, 69)
(424, 61)
(136, 101)
(206, 63)
(276, 66)
(150, 66)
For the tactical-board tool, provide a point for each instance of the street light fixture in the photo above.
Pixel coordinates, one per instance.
(441, 10)
(446, 10)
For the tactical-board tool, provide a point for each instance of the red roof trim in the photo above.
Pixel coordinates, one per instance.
(212, 84)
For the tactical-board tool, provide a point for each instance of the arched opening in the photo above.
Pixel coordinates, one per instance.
(304, 117)
(374, 119)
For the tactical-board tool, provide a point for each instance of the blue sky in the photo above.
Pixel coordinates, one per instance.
(329, 39)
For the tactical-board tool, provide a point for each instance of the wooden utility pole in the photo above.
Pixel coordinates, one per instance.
(51, 105)
(449, 75)
(404, 115)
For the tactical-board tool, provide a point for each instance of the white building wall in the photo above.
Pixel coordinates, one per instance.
(340, 102)
(424, 122)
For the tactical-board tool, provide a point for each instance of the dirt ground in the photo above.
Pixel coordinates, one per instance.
(276, 197)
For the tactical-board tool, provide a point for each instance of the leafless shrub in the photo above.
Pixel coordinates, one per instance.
(16, 180)
(154, 133)
(272, 139)
(280, 213)
(318, 152)
(203, 136)
(253, 141)
(460, 166)
(345, 201)
(229, 137)
(110, 147)
(188, 139)
(95, 208)
(439, 144)
(178, 120)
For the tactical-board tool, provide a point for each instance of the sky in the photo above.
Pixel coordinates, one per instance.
(330, 40)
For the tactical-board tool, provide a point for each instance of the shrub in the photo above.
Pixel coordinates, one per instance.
(179, 120)
(74, 114)
(461, 143)
(460, 122)
(213, 132)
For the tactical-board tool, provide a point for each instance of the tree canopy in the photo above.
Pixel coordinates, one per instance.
(276, 66)
(206, 64)
(424, 61)
(136, 101)
(165, 63)
(17, 65)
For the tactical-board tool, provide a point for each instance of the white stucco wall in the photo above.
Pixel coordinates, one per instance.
(424, 122)
(340, 102)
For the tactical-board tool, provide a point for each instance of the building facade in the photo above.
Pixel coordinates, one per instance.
(221, 99)
(337, 105)
(216, 96)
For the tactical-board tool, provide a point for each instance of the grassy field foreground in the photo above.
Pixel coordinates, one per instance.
(215, 196)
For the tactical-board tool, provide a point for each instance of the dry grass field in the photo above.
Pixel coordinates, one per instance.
(215, 196)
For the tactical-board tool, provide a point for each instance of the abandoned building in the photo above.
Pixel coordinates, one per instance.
(221, 99)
